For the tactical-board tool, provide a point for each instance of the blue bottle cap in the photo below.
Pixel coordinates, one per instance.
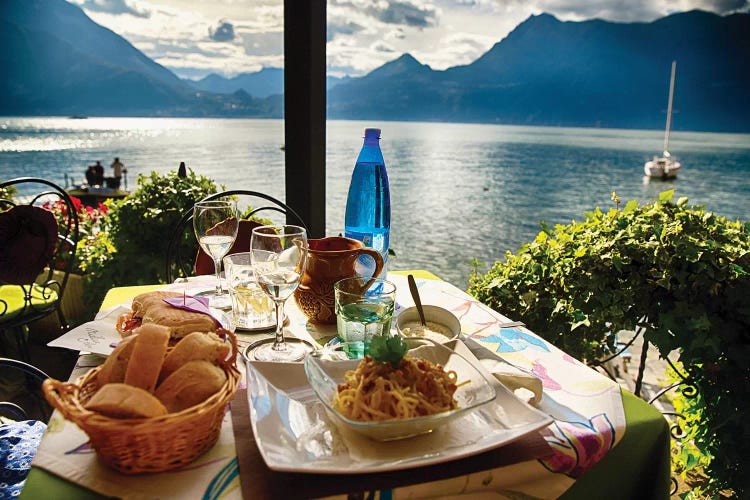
(372, 133)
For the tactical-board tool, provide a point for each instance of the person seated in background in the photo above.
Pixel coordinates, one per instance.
(99, 177)
(91, 176)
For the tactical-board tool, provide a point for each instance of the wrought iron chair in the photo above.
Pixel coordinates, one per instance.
(32, 395)
(38, 237)
(186, 258)
(21, 427)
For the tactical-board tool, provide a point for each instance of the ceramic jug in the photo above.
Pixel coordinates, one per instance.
(328, 261)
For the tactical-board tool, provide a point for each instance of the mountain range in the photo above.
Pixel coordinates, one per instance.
(57, 61)
(263, 83)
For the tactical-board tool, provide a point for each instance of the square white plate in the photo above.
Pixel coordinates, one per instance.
(294, 433)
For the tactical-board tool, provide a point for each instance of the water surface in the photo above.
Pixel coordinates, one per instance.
(458, 191)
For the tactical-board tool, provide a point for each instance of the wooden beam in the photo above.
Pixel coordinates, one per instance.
(305, 111)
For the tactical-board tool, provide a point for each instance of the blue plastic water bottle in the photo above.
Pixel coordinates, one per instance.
(368, 205)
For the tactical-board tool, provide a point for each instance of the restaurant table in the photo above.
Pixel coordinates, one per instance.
(638, 466)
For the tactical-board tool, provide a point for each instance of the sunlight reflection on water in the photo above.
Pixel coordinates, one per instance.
(458, 191)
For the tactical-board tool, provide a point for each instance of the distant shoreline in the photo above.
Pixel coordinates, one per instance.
(675, 128)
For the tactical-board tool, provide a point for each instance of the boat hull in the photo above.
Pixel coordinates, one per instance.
(662, 169)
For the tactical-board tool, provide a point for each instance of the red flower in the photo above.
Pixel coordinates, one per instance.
(76, 203)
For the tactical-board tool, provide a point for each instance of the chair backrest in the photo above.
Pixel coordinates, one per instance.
(38, 237)
(32, 399)
(186, 258)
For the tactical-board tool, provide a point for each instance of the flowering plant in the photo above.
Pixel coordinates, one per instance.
(90, 221)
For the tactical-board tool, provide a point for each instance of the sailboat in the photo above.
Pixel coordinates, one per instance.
(665, 166)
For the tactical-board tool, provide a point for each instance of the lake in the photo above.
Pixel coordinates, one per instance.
(458, 191)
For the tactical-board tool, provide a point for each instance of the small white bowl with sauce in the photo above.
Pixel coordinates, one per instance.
(442, 325)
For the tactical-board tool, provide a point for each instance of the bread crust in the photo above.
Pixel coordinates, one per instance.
(114, 367)
(193, 347)
(191, 384)
(125, 401)
(150, 308)
(147, 358)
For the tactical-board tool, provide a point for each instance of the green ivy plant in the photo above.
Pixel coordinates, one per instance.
(679, 271)
(131, 247)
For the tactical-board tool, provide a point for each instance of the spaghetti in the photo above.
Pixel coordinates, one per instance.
(380, 391)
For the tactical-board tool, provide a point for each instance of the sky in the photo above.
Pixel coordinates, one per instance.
(194, 38)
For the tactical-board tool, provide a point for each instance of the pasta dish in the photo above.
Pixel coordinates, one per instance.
(377, 391)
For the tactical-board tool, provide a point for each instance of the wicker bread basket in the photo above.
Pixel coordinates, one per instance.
(137, 445)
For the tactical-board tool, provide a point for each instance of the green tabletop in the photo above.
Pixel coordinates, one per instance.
(638, 467)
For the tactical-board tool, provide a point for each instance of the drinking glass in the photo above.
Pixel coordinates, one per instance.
(364, 308)
(279, 257)
(215, 223)
(251, 307)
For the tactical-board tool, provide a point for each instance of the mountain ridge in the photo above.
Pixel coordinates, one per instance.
(263, 83)
(591, 73)
(57, 61)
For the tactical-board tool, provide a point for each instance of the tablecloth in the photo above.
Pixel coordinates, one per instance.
(592, 417)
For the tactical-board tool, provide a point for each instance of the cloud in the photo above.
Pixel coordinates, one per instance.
(263, 43)
(362, 34)
(398, 12)
(116, 7)
(726, 6)
(455, 49)
(383, 47)
(224, 32)
(405, 13)
(342, 28)
(620, 10)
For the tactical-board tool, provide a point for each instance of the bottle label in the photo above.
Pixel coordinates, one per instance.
(365, 238)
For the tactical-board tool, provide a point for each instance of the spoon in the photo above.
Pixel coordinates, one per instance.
(415, 296)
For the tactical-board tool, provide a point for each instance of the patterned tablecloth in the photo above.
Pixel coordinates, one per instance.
(587, 408)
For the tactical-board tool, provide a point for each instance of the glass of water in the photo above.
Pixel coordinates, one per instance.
(252, 309)
(279, 257)
(364, 308)
(215, 223)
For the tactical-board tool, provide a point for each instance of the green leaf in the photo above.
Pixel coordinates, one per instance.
(630, 206)
(388, 349)
(666, 196)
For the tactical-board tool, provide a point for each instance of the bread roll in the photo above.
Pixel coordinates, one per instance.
(114, 367)
(195, 346)
(151, 308)
(189, 385)
(125, 401)
(147, 357)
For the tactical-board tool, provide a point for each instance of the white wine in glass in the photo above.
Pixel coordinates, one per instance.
(215, 223)
(279, 256)
(216, 246)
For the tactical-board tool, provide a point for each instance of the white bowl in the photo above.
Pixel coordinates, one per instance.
(325, 375)
(442, 325)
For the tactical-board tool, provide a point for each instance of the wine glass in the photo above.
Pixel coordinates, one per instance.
(279, 256)
(215, 223)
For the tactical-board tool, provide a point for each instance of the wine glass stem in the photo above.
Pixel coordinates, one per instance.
(217, 269)
(278, 342)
